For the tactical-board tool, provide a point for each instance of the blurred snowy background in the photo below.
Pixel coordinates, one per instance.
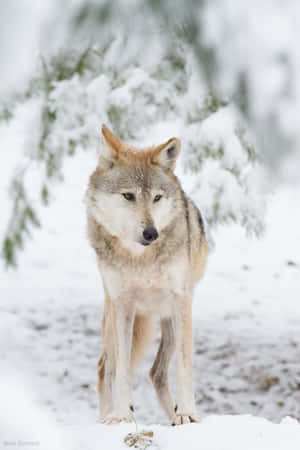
(223, 76)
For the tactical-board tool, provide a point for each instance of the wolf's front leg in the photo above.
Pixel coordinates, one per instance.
(123, 319)
(185, 410)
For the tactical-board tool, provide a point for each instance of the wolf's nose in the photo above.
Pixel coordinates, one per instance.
(150, 234)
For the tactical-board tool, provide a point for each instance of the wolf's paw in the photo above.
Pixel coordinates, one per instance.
(181, 419)
(114, 418)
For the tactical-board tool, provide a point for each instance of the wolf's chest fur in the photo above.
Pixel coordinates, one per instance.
(150, 281)
(151, 289)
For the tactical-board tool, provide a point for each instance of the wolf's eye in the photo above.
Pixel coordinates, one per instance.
(129, 196)
(157, 198)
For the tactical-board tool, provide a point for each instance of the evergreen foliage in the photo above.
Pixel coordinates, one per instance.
(115, 81)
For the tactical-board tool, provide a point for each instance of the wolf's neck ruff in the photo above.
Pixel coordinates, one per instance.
(112, 251)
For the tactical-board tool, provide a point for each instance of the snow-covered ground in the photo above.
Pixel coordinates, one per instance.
(246, 327)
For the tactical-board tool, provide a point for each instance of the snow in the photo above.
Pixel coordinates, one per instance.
(214, 433)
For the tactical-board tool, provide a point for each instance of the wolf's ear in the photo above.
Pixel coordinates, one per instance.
(110, 146)
(166, 154)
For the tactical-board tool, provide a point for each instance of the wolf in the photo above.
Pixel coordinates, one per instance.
(151, 249)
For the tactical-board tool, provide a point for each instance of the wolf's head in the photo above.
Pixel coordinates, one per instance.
(134, 193)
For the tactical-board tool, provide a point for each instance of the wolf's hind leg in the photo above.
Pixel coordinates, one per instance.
(105, 380)
(159, 373)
